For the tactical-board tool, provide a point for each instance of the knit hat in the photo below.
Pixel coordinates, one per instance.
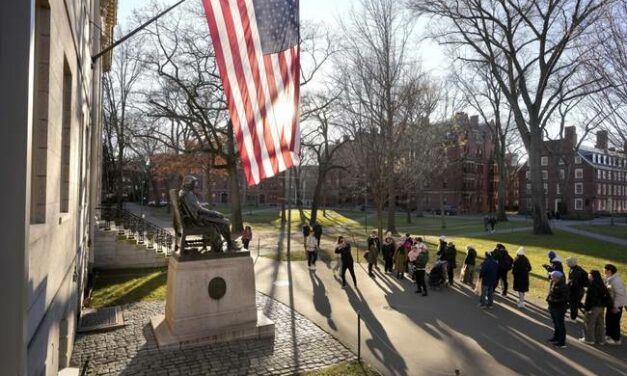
(571, 261)
(521, 251)
(551, 255)
(442, 238)
(556, 274)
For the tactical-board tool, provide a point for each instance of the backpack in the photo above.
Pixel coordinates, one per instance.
(507, 261)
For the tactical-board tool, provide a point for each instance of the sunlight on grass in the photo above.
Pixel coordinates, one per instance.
(345, 369)
(128, 286)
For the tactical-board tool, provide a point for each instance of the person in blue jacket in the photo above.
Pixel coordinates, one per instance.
(488, 274)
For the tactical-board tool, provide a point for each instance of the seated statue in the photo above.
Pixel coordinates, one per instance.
(203, 216)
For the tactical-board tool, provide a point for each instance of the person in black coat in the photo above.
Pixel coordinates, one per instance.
(468, 269)
(577, 282)
(520, 271)
(555, 263)
(450, 256)
(442, 248)
(598, 299)
(505, 262)
(343, 248)
(389, 247)
(558, 302)
(317, 232)
(487, 274)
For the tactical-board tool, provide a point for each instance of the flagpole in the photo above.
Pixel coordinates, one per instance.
(289, 212)
(138, 29)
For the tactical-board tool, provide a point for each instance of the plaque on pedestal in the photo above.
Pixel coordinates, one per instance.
(210, 299)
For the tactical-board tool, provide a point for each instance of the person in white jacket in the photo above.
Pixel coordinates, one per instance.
(613, 315)
(311, 246)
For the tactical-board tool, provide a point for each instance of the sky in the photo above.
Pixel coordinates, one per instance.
(328, 12)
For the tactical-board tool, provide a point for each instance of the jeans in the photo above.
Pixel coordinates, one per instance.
(593, 329)
(311, 258)
(421, 285)
(468, 274)
(451, 273)
(612, 323)
(487, 296)
(245, 242)
(351, 270)
(559, 327)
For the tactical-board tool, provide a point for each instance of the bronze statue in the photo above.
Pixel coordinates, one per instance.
(202, 216)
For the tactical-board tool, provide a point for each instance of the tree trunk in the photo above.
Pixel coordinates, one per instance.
(299, 193)
(501, 216)
(379, 221)
(237, 225)
(315, 202)
(392, 209)
(540, 220)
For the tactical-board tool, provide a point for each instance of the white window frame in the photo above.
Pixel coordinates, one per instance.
(578, 188)
(545, 175)
(578, 204)
(579, 173)
(578, 159)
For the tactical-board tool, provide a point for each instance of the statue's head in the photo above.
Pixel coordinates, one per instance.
(189, 182)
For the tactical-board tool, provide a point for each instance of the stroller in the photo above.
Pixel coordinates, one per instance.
(437, 275)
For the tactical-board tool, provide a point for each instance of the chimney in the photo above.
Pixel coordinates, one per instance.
(570, 135)
(601, 140)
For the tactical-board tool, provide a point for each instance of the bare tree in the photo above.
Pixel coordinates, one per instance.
(374, 74)
(323, 138)
(536, 53)
(118, 86)
(481, 92)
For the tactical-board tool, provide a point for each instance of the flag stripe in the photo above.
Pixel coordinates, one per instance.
(260, 89)
(261, 121)
(218, 33)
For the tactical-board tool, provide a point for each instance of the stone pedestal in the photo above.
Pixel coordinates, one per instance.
(210, 300)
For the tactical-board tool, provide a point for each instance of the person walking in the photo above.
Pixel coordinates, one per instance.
(421, 266)
(558, 302)
(400, 261)
(487, 275)
(520, 270)
(468, 269)
(613, 315)
(577, 282)
(343, 248)
(555, 263)
(311, 247)
(598, 298)
(451, 262)
(247, 236)
(389, 245)
(317, 232)
(505, 262)
(374, 245)
(306, 233)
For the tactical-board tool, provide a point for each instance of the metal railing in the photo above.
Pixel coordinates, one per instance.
(137, 228)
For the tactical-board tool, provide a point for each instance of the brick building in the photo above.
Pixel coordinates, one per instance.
(582, 183)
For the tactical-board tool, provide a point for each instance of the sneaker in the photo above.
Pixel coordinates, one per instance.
(560, 345)
(612, 342)
(583, 340)
(418, 291)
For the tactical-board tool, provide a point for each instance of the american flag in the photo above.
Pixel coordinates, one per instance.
(257, 50)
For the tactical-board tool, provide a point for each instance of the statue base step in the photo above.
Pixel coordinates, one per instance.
(167, 340)
(210, 300)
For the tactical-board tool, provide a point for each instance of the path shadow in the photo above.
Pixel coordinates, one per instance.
(321, 300)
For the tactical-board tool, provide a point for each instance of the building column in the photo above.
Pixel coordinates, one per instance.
(16, 52)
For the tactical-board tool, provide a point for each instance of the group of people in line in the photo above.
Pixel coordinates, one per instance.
(599, 296)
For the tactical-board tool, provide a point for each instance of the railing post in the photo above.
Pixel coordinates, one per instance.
(358, 337)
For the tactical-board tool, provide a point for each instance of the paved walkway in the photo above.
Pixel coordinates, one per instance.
(567, 226)
(298, 346)
(404, 333)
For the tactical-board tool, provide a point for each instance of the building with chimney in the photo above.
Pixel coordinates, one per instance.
(582, 182)
(51, 147)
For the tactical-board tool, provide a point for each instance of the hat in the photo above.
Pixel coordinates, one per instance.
(499, 245)
(556, 274)
(551, 255)
(442, 238)
(521, 251)
(571, 261)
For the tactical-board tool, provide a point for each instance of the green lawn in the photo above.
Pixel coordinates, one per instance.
(616, 231)
(125, 286)
(344, 369)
